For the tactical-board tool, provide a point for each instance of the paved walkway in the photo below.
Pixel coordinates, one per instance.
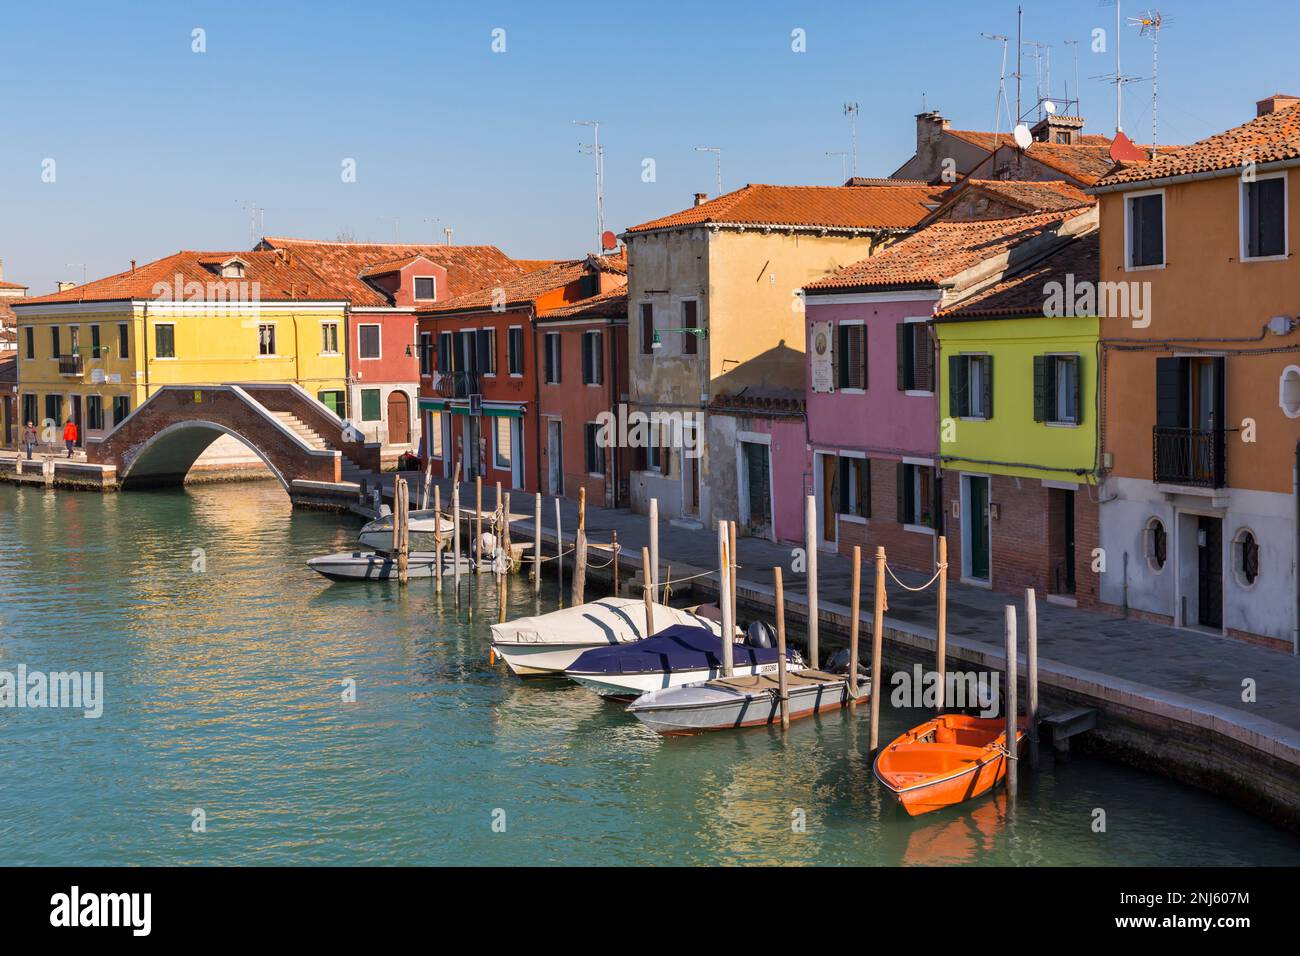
(1200, 666)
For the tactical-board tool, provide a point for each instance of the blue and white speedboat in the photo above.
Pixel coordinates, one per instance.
(681, 654)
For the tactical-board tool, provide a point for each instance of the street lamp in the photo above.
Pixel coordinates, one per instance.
(657, 343)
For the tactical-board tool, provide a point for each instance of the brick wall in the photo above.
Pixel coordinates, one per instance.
(904, 548)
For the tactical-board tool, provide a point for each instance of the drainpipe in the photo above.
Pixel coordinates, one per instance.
(1295, 567)
(144, 348)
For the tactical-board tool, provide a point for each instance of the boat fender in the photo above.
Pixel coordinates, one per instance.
(760, 634)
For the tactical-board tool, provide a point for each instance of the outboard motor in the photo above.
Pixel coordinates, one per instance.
(839, 664)
(760, 634)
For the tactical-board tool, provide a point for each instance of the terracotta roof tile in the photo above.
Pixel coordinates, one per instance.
(1022, 295)
(1265, 139)
(521, 289)
(342, 263)
(11, 285)
(939, 251)
(611, 304)
(158, 280)
(832, 207)
(1035, 196)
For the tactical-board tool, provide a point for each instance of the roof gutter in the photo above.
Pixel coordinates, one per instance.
(1228, 173)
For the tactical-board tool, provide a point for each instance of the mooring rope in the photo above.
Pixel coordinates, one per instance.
(923, 586)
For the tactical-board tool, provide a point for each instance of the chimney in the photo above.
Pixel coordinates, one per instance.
(2, 269)
(701, 198)
(133, 266)
(929, 127)
(1275, 104)
(65, 286)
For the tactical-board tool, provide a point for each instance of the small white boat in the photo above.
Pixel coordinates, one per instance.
(378, 534)
(547, 644)
(744, 701)
(683, 654)
(380, 566)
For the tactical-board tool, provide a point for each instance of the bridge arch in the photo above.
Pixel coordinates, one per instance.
(167, 456)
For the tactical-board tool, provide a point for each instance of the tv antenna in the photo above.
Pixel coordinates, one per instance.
(596, 150)
(1042, 56)
(1074, 45)
(1150, 24)
(843, 154)
(1118, 77)
(851, 111)
(1002, 83)
(256, 219)
(717, 155)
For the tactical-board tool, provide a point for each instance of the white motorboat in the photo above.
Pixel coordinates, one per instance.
(549, 643)
(682, 654)
(380, 566)
(378, 534)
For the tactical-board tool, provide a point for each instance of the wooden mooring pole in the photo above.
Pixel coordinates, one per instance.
(402, 521)
(855, 625)
(614, 545)
(1009, 701)
(455, 532)
(732, 568)
(877, 640)
(537, 543)
(437, 535)
(648, 585)
(782, 688)
(810, 556)
(478, 522)
(559, 553)
(724, 600)
(654, 547)
(1031, 674)
(580, 552)
(941, 625)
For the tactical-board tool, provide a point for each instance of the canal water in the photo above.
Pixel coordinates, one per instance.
(224, 662)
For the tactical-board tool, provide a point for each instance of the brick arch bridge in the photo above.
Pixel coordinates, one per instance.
(296, 436)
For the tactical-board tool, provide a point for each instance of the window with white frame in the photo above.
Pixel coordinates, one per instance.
(1263, 217)
(266, 338)
(853, 479)
(1057, 387)
(915, 494)
(1144, 216)
(593, 358)
(329, 338)
(426, 288)
(851, 355)
(970, 386)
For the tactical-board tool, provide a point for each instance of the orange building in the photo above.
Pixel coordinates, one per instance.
(1201, 382)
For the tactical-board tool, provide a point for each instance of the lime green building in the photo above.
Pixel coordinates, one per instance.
(1018, 413)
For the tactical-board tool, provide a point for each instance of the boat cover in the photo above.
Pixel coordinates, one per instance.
(681, 647)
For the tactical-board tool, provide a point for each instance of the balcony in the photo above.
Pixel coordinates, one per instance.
(458, 384)
(1196, 457)
(70, 365)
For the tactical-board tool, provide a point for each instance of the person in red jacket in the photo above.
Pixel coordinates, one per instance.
(70, 435)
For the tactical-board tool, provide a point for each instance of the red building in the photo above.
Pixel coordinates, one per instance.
(386, 283)
(481, 405)
(584, 364)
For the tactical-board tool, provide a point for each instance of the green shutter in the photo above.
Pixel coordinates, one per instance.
(987, 360)
(900, 483)
(1040, 388)
(902, 349)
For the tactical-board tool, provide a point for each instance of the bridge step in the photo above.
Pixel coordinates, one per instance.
(302, 430)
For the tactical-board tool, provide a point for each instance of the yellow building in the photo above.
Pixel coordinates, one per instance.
(93, 353)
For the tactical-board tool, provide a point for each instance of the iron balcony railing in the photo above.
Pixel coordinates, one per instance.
(70, 364)
(1190, 456)
(458, 384)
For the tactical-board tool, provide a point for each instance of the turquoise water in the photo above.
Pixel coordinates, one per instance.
(223, 693)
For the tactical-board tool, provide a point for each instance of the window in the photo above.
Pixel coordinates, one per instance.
(426, 353)
(504, 451)
(426, 288)
(54, 342)
(851, 356)
(54, 408)
(370, 405)
(1263, 217)
(94, 412)
(121, 408)
(657, 457)
(647, 328)
(1057, 389)
(368, 345)
(854, 479)
(1156, 544)
(1245, 557)
(433, 434)
(915, 357)
(164, 340)
(690, 320)
(445, 342)
(329, 338)
(593, 359)
(31, 342)
(266, 338)
(29, 409)
(487, 351)
(333, 400)
(123, 340)
(94, 342)
(552, 358)
(515, 350)
(915, 494)
(970, 386)
(1288, 398)
(1145, 215)
(595, 454)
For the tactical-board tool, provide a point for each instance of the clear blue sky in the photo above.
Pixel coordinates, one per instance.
(156, 145)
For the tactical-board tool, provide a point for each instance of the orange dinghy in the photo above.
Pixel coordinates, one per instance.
(946, 761)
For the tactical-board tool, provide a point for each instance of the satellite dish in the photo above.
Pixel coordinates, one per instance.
(1049, 106)
(1022, 136)
(608, 240)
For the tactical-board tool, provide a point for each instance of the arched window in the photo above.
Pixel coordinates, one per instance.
(1156, 544)
(1245, 557)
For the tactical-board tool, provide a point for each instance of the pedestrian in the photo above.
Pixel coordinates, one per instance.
(70, 435)
(29, 439)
